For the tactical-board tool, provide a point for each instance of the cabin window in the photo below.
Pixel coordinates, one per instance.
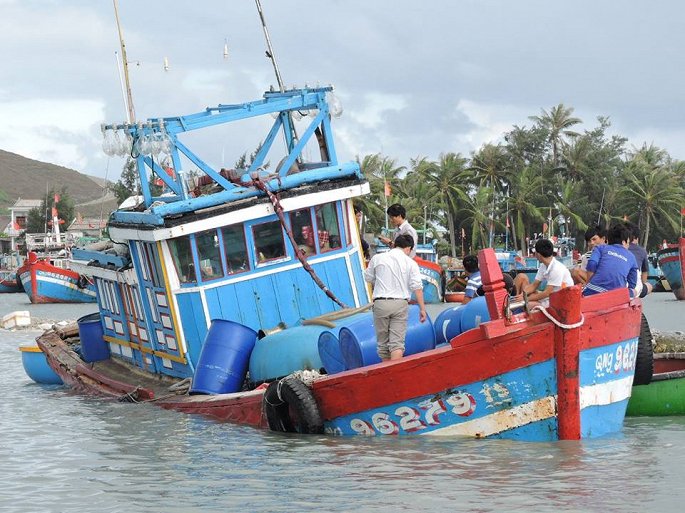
(268, 240)
(328, 227)
(182, 255)
(303, 231)
(235, 249)
(209, 255)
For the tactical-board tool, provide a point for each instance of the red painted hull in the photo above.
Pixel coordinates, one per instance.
(493, 349)
(240, 408)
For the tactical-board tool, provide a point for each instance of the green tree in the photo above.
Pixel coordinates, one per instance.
(446, 179)
(557, 122)
(39, 219)
(127, 185)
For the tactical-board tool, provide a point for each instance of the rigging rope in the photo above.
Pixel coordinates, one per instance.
(542, 309)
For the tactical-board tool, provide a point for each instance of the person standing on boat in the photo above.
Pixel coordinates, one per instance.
(394, 276)
(470, 263)
(641, 259)
(398, 217)
(551, 270)
(612, 266)
(360, 223)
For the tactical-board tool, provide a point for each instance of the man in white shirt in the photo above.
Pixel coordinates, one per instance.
(394, 276)
(397, 215)
(554, 272)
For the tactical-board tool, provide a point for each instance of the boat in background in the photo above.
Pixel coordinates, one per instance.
(432, 273)
(672, 263)
(49, 280)
(8, 273)
(665, 394)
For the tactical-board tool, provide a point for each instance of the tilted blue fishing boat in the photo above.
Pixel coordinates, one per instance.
(672, 263)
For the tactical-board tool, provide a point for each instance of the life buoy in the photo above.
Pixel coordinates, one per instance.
(291, 408)
(644, 364)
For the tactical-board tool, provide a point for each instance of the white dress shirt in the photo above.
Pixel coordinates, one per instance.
(393, 275)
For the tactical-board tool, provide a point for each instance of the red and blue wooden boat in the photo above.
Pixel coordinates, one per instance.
(560, 374)
(9, 283)
(672, 263)
(48, 280)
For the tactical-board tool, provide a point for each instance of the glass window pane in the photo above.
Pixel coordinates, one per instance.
(209, 254)
(183, 259)
(303, 230)
(268, 240)
(235, 249)
(328, 228)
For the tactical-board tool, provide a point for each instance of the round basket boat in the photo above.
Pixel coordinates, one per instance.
(454, 297)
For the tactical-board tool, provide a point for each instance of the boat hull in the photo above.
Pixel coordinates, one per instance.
(672, 263)
(665, 395)
(527, 378)
(46, 283)
(433, 279)
(36, 366)
(8, 282)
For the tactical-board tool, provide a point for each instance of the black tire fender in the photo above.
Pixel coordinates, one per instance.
(290, 407)
(82, 282)
(644, 364)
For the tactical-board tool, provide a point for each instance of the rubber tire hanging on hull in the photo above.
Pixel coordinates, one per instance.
(644, 365)
(291, 408)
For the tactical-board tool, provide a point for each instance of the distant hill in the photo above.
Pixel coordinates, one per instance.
(21, 177)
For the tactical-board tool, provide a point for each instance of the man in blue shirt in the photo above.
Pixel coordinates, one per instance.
(612, 266)
(472, 271)
(641, 258)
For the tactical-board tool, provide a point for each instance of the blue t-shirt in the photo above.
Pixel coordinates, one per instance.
(473, 284)
(613, 267)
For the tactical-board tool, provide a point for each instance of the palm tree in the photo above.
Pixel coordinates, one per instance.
(473, 211)
(659, 197)
(447, 182)
(524, 191)
(490, 167)
(378, 169)
(557, 122)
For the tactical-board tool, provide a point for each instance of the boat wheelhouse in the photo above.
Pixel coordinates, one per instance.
(260, 248)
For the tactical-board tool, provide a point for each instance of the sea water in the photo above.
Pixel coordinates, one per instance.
(62, 452)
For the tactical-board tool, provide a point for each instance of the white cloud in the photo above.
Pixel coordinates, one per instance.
(490, 121)
(51, 130)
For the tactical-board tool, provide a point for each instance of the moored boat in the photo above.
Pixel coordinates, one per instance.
(672, 263)
(49, 280)
(9, 283)
(665, 394)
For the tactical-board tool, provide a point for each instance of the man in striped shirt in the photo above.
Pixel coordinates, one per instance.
(470, 264)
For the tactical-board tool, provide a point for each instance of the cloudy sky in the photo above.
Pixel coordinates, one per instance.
(415, 78)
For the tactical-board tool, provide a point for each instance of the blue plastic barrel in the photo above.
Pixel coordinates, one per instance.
(278, 354)
(447, 324)
(474, 313)
(224, 357)
(358, 340)
(329, 352)
(93, 345)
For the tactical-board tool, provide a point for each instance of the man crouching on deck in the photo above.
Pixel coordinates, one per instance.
(394, 276)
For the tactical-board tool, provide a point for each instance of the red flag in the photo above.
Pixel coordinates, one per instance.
(56, 198)
(386, 187)
(682, 211)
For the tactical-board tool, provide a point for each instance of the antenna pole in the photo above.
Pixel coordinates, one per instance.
(270, 50)
(130, 111)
